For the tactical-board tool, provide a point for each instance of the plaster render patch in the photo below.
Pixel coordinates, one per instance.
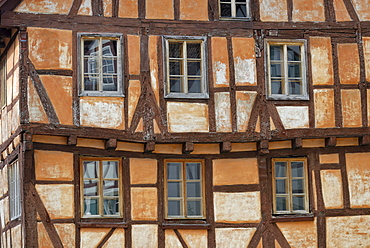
(274, 11)
(234, 237)
(294, 117)
(162, 9)
(245, 71)
(237, 207)
(351, 108)
(332, 188)
(35, 109)
(128, 8)
(321, 61)
(91, 237)
(117, 240)
(366, 45)
(341, 13)
(58, 200)
(358, 173)
(235, 171)
(144, 236)
(67, 234)
(300, 234)
(223, 112)
(220, 70)
(194, 10)
(107, 7)
(194, 238)
(85, 8)
(143, 171)
(187, 117)
(348, 231)
(144, 203)
(171, 239)
(45, 6)
(362, 9)
(324, 108)
(53, 165)
(102, 112)
(348, 63)
(308, 10)
(17, 236)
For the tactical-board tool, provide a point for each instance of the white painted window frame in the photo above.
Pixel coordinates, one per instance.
(233, 10)
(80, 65)
(204, 85)
(285, 95)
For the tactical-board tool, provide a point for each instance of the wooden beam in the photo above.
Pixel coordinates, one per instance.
(111, 144)
(225, 147)
(187, 147)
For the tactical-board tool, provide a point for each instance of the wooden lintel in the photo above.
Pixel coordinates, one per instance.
(187, 147)
(330, 141)
(225, 146)
(111, 144)
(297, 143)
(365, 140)
(149, 147)
(72, 140)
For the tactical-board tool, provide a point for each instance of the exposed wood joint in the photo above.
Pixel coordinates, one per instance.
(365, 140)
(187, 147)
(225, 147)
(263, 147)
(181, 239)
(75, 7)
(106, 237)
(297, 143)
(111, 144)
(72, 140)
(149, 147)
(330, 141)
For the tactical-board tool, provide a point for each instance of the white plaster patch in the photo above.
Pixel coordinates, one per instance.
(348, 232)
(194, 238)
(294, 117)
(117, 239)
(234, 237)
(187, 117)
(244, 104)
(144, 236)
(300, 234)
(92, 237)
(65, 61)
(171, 239)
(359, 187)
(219, 70)
(45, 6)
(223, 112)
(332, 188)
(85, 8)
(237, 207)
(362, 9)
(273, 10)
(245, 71)
(35, 108)
(321, 66)
(102, 114)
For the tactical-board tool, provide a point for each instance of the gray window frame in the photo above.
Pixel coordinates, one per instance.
(14, 181)
(120, 65)
(204, 82)
(233, 6)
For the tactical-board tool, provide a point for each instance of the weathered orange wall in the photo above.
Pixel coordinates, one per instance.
(321, 61)
(194, 10)
(162, 9)
(220, 62)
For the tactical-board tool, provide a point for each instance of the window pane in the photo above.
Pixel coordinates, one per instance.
(281, 204)
(91, 65)
(276, 52)
(295, 87)
(91, 169)
(174, 189)
(225, 10)
(110, 169)
(176, 67)
(298, 203)
(193, 189)
(194, 86)
(91, 82)
(91, 47)
(110, 188)
(91, 188)
(194, 208)
(111, 207)
(193, 50)
(297, 186)
(280, 186)
(294, 70)
(193, 171)
(109, 48)
(294, 53)
(91, 207)
(174, 208)
(241, 10)
(276, 87)
(175, 49)
(297, 169)
(109, 65)
(176, 85)
(110, 83)
(280, 169)
(276, 70)
(194, 68)
(174, 170)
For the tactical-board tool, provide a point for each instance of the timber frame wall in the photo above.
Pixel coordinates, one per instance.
(262, 145)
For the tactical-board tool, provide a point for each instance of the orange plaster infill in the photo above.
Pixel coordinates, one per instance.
(324, 108)
(273, 11)
(243, 147)
(133, 43)
(194, 10)
(329, 158)
(235, 171)
(107, 6)
(162, 9)
(307, 143)
(53, 165)
(321, 61)
(206, 149)
(153, 64)
(366, 45)
(144, 203)
(143, 171)
(280, 144)
(341, 13)
(220, 62)
(93, 143)
(128, 9)
(308, 10)
(348, 63)
(351, 108)
(133, 94)
(130, 147)
(61, 140)
(244, 61)
(168, 148)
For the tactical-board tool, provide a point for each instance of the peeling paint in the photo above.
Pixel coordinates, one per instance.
(308, 10)
(223, 112)
(300, 234)
(144, 236)
(233, 237)
(324, 108)
(245, 71)
(45, 6)
(85, 8)
(332, 188)
(220, 71)
(244, 105)
(351, 108)
(187, 117)
(362, 9)
(116, 240)
(321, 61)
(274, 11)
(366, 45)
(194, 238)
(171, 239)
(293, 117)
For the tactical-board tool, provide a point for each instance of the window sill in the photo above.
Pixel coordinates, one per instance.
(288, 97)
(185, 224)
(188, 95)
(292, 217)
(246, 19)
(102, 224)
(102, 94)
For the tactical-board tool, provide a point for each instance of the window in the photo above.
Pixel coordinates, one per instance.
(235, 9)
(2, 83)
(290, 185)
(185, 68)
(286, 70)
(184, 189)
(101, 64)
(14, 191)
(101, 187)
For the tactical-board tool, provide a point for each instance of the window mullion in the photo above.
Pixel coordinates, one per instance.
(233, 8)
(100, 65)
(184, 201)
(100, 190)
(285, 69)
(185, 66)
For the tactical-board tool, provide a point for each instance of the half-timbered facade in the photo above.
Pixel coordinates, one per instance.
(185, 123)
